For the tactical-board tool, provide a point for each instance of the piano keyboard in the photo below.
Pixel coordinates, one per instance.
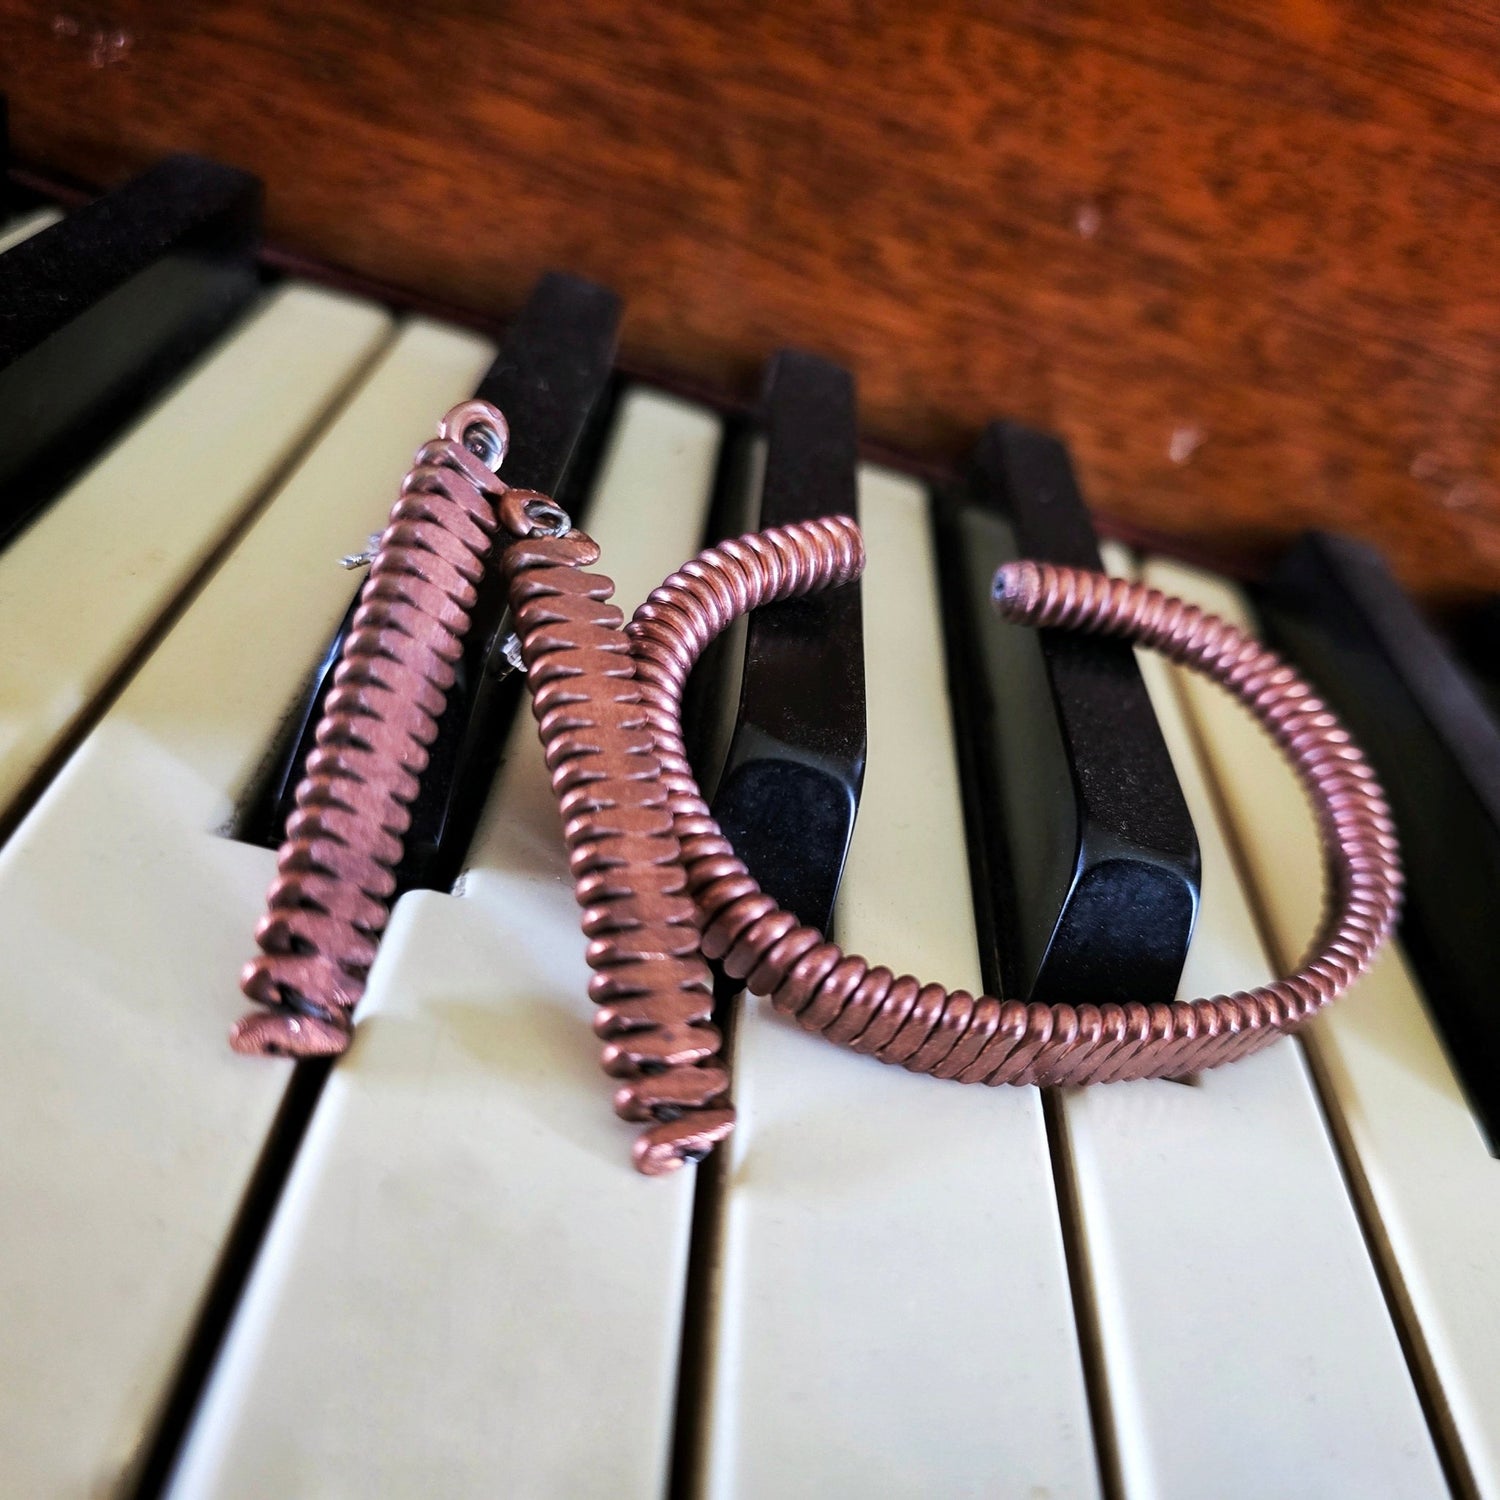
(1274, 1280)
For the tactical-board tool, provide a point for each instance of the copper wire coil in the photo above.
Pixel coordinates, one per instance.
(653, 991)
(953, 1034)
(660, 886)
(330, 900)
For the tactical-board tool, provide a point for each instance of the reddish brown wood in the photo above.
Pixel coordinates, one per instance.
(1240, 255)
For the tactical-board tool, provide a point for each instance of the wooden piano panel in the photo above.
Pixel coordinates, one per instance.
(1239, 255)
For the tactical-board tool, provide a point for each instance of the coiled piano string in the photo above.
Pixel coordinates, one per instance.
(330, 900)
(952, 1033)
(653, 991)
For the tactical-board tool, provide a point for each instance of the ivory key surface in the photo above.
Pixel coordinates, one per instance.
(23, 226)
(84, 583)
(130, 1127)
(1432, 1186)
(893, 1315)
(467, 1288)
(1246, 1344)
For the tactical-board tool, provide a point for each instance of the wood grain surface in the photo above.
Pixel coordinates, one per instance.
(1241, 256)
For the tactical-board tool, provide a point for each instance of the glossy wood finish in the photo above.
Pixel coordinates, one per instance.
(1240, 257)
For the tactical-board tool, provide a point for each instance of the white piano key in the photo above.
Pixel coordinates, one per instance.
(893, 1315)
(467, 1288)
(1246, 1343)
(130, 1128)
(1419, 1157)
(132, 531)
(23, 226)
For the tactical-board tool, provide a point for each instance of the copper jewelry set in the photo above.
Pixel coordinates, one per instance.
(661, 889)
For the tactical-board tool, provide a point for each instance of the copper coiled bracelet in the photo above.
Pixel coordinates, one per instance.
(661, 888)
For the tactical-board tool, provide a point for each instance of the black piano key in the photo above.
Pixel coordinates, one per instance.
(98, 312)
(1475, 633)
(6, 197)
(789, 789)
(550, 379)
(1333, 607)
(1084, 854)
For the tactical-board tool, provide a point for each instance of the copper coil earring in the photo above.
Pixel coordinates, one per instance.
(329, 902)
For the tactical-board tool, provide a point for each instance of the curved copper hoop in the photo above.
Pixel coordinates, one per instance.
(953, 1034)
(660, 886)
